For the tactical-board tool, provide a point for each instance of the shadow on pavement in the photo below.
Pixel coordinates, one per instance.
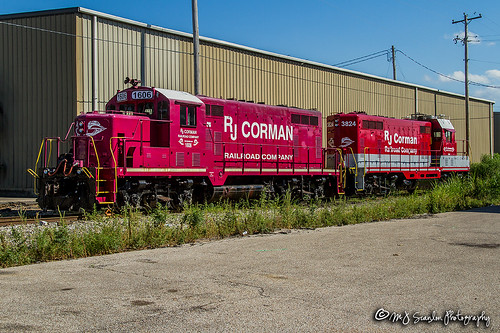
(489, 209)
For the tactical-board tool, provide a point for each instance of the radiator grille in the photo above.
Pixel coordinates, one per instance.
(179, 159)
(196, 159)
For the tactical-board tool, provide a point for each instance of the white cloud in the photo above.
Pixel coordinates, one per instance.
(427, 78)
(460, 76)
(487, 93)
(479, 78)
(493, 74)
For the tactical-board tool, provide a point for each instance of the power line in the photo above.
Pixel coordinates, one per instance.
(361, 59)
(91, 38)
(488, 62)
(447, 76)
(428, 68)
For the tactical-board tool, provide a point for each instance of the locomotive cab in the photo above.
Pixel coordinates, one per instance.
(444, 147)
(443, 137)
(173, 122)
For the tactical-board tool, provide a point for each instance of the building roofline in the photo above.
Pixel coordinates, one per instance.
(48, 12)
(87, 11)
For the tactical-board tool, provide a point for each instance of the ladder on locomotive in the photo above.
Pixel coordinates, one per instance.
(105, 185)
(105, 181)
(342, 171)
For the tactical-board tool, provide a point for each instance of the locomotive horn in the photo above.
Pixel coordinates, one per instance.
(133, 82)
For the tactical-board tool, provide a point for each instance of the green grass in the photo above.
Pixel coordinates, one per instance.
(131, 229)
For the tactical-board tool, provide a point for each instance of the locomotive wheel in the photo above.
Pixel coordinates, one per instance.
(182, 200)
(412, 187)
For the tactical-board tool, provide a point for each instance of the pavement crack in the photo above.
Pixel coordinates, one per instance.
(259, 289)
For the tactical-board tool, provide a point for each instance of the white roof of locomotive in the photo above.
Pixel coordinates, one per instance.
(180, 96)
(446, 124)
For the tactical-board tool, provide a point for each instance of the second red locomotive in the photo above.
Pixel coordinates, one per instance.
(155, 145)
(381, 153)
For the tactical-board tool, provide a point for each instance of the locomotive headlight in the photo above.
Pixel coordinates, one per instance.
(80, 127)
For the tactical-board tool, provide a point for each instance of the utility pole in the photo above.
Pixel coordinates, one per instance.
(393, 63)
(465, 41)
(196, 47)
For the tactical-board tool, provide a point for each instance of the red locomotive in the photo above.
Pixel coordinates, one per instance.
(162, 145)
(381, 153)
(154, 145)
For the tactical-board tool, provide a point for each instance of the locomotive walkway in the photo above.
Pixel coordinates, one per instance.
(326, 280)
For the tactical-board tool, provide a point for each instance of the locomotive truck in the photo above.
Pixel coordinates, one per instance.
(154, 145)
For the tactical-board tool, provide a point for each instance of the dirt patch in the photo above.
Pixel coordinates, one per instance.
(28, 209)
(482, 245)
(141, 303)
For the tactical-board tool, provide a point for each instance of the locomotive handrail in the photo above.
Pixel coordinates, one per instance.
(87, 172)
(36, 167)
(343, 171)
(465, 144)
(39, 153)
(307, 164)
(45, 162)
(69, 130)
(33, 173)
(115, 188)
(364, 160)
(50, 152)
(42, 145)
(415, 164)
(98, 164)
(356, 166)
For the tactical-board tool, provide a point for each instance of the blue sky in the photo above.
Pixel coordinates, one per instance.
(335, 31)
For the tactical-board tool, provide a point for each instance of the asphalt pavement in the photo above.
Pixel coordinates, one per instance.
(439, 273)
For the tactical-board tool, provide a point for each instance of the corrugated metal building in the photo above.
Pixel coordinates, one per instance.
(56, 64)
(496, 144)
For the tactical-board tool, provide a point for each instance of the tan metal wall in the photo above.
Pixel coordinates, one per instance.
(47, 80)
(497, 132)
(163, 59)
(37, 91)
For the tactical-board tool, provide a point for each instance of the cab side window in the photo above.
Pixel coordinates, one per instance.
(447, 134)
(163, 110)
(187, 115)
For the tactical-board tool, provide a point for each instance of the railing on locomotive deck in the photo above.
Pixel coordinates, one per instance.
(465, 147)
(121, 143)
(278, 165)
(396, 162)
(429, 163)
(46, 161)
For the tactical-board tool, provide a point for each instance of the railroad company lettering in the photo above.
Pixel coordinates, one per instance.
(409, 140)
(258, 130)
(255, 157)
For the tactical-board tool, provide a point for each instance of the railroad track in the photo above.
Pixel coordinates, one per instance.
(15, 220)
